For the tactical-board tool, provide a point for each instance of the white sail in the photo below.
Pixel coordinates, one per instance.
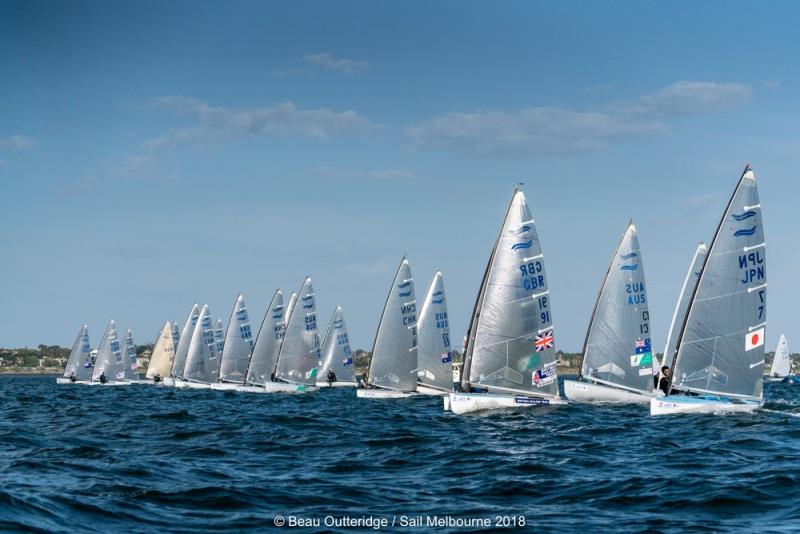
(689, 283)
(510, 346)
(176, 336)
(202, 362)
(336, 354)
(394, 352)
(721, 344)
(617, 351)
(182, 348)
(782, 362)
(163, 353)
(80, 358)
(129, 365)
(268, 342)
(299, 354)
(238, 344)
(435, 358)
(109, 356)
(219, 336)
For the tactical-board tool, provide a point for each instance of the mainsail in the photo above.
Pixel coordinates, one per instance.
(238, 344)
(617, 350)
(721, 344)
(163, 353)
(336, 354)
(435, 365)
(176, 336)
(109, 356)
(689, 283)
(202, 362)
(219, 336)
(80, 358)
(182, 348)
(510, 345)
(782, 362)
(265, 351)
(299, 354)
(129, 365)
(394, 352)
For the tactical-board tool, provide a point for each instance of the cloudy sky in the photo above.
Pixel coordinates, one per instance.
(155, 154)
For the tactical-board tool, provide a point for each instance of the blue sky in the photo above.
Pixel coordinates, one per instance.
(155, 154)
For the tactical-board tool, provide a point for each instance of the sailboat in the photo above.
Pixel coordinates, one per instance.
(298, 358)
(163, 354)
(108, 369)
(510, 359)
(781, 369)
(182, 348)
(336, 354)
(79, 364)
(202, 362)
(237, 347)
(392, 369)
(617, 353)
(720, 348)
(129, 365)
(434, 354)
(267, 345)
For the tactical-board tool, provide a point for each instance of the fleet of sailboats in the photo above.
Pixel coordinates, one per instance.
(713, 358)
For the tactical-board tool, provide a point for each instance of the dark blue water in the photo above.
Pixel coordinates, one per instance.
(144, 458)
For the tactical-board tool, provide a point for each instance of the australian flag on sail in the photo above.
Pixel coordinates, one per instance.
(542, 342)
(642, 345)
(347, 361)
(88, 364)
(447, 357)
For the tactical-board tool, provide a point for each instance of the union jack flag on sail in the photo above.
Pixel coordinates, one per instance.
(542, 342)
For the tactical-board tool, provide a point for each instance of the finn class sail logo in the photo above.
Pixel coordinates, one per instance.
(523, 245)
(542, 342)
(404, 285)
(309, 302)
(521, 230)
(747, 232)
(744, 216)
(628, 256)
(629, 267)
(437, 298)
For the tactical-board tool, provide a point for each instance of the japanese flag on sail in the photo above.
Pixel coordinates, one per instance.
(754, 339)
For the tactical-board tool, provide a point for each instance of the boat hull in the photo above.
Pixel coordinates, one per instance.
(589, 392)
(425, 390)
(62, 380)
(225, 386)
(106, 384)
(185, 384)
(337, 384)
(461, 403)
(277, 387)
(379, 393)
(677, 404)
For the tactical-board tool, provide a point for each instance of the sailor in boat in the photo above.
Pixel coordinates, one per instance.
(331, 377)
(362, 380)
(103, 378)
(72, 377)
(157, 378)
(663, 384)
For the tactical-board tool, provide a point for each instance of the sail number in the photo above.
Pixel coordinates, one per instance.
(544, 312)
(532, 275)
(751, 267)
(644, 327)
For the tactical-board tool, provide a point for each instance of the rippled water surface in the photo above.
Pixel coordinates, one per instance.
(145, 458)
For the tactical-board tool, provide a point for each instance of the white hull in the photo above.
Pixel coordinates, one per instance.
(446, 400)
(168, 381)
(62, 380)
(277, 387)
(425, 390)
(225, 386)
(676, 404)
(461, 403)
(250, 389)
(590, 392)
(194, 385)
(106, 384)
(376, 393)
(337, 384)
(137, 381)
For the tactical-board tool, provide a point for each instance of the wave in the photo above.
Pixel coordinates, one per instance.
(520, 246)
(747, 232)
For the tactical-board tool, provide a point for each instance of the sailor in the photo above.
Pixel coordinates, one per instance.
(157, 378)
(272, 377)
(663, 384)
(103, 378)
(331, 377)
(362, 380)
(72, 377)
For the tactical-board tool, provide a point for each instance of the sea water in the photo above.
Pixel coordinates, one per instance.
(146, 458)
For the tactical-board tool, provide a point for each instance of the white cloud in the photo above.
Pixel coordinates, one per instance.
(325, 60)
(358, 174)
(552, 130)
(15, 143)
(375, 267)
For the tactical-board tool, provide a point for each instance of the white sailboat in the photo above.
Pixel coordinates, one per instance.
(267, 345)
(163, 354)
(129, 365)
(202, 361)
(296, 371)
(237, 348)
(781, 368)
(336, 355)
(720, 349)
(108, 369)
(617, 361)
(182, 347)
(392, 369)
(79, 364)
(510, 360)
(434, 353)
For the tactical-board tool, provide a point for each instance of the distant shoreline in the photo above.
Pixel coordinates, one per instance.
(30, 371)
